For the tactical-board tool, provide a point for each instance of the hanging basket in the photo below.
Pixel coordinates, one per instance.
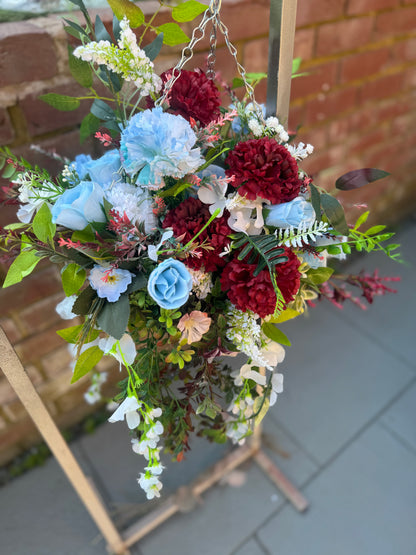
(191, 240)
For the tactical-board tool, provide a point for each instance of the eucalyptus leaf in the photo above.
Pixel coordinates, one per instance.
(102, 110)
(319, 275)
(114, 317)
(152, 50)
(358, 178)
(86, 362)
(335, 213)
(100, 30)
(316, 201)
(139, 282)
(77, 30)
(82, 305)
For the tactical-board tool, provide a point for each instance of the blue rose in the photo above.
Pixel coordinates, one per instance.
(79, 206)
(105, 170)
(290, 214)
(170, 284)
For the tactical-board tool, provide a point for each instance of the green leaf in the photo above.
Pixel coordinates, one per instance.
(80, 70)
(86, 362)
(126, 8)
(60, 101)
(187, 11)
(85, 235)
(114, 317)
(275, 334)
(42, 224)
(73, 334)
(375, 229)
(172, 34)
(316, 201)
(333, 249)
(9, 172)
(89, 125)
(83, 303)
(21, 267)
(296, 64)
(264, 404)
(362, 219)
(284, 316)
(16, 225)
(73, 277)
(319, 275)
(335, 213)
(152, 50)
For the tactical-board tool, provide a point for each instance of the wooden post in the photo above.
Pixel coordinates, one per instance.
(20, 382)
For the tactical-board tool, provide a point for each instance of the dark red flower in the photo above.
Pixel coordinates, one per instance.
(187, 219)
(264, 168)
(193, 95)
(257, 294)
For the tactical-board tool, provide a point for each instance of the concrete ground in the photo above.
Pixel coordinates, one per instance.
(343, 430)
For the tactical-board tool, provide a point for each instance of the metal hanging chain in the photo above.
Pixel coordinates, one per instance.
(212, 14)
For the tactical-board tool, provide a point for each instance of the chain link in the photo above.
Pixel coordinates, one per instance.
(212, 14)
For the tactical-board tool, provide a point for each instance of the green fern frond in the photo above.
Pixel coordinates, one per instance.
(292, 237)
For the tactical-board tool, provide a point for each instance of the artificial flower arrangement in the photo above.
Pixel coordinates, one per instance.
(189, 241)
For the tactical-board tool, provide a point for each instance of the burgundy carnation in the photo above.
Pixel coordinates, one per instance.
(264, 168)
(193, 95)
(187, 219)
(257, 294)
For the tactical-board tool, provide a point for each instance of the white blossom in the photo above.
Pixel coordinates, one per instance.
(277, 387)
(64, 308)
(128, 409)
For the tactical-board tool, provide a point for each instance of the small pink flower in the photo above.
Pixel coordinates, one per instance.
(194, 325)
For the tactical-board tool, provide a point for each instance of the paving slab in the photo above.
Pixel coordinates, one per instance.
(288, 456)
(251, 547)
(401, 417)
(336, 381)
(364, 503)
(226, 516)
(41, 514)
(390, 320)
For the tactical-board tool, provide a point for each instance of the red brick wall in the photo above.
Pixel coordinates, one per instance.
(356, 107)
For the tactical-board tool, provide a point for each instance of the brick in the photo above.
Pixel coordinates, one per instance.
(42, 314)
(390, 85)
(10, 329)
(319, 10)
(320, 79)
(396, 22)
(256, 55)
(8, 454)
(316, 137)
(405, 51)
(404, 125)
(326, 106)
(42, 118)
(6, 392)
(367, 141)
(296, 117)
(343, 36)
(316, 163)
(392, 109)
(27, 53)
(359, 66)
(34, 287)
(57, 361)
(6, 128)
(362, 6)
(304, 44)
(37, 346)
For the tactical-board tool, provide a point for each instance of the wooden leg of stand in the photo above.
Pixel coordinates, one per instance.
(281, 481)
(20, 382)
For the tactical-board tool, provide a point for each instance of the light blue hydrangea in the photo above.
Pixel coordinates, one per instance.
(157, 144)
